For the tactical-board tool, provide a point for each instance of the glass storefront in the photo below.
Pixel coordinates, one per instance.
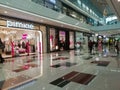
(20, 41)
(62, 38)
(79, 37)
(53, 40)
(71, 40)
(79, 40)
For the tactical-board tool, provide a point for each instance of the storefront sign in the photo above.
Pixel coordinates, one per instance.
(19, 24)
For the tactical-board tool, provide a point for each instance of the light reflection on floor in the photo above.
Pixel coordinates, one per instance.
(43, 68)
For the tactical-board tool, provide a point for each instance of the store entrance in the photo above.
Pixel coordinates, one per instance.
(20, 41)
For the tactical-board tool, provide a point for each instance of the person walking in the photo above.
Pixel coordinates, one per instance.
(90, 46)
(12, 48)
(100, 47)
(117, 46)
(28, 47)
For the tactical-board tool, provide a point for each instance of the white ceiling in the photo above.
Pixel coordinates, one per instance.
(27, 16)
(12, 12)
(115, 6)
(109, 32)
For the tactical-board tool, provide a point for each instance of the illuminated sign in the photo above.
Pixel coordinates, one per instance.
(19, 24)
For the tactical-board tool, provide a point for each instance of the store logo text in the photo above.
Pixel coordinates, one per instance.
(19, 25)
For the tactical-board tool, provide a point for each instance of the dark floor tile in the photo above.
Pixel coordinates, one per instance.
(104, 63)
(95, 62)
(60, 58)
(56, 66)
(93, 54)
(55, 59)
(78, 77)
(66, 64)
(87, 79)
(18, 70)
(25, 67)
(79, 54)
(33, 65)
(63, 58)
(88, 57)
(70, 75)
(57, 81)
(69, 64)
(101, 63)
(62, 84)
(83, 78)
(114, 56)
(64, 80)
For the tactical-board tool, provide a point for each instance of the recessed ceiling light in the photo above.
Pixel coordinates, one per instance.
(118, 0)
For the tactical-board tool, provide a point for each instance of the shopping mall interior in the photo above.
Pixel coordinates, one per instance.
(59, 44)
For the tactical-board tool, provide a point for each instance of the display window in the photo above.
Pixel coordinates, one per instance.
(62, 39)
(79, 37)
(71, 40)
(79, 40)
(53, 40)
(20, 41)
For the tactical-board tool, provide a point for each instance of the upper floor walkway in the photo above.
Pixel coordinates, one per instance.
(28, 10)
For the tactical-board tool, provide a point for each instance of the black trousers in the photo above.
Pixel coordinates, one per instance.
(1, 59)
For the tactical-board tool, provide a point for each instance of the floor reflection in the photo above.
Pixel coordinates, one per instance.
(25, 67)
(21, 70)
(12, 82)
(77, 77)
(46, 67)
(60, 58)
(65, 64)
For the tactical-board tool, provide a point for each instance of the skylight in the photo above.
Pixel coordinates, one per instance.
(110, 18)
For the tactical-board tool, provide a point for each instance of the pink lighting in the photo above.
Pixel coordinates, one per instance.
(24, 36)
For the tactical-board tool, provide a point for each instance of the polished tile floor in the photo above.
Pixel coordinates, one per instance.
(65, 70)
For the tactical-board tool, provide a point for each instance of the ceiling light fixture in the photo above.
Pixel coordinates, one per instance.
(118, 0)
